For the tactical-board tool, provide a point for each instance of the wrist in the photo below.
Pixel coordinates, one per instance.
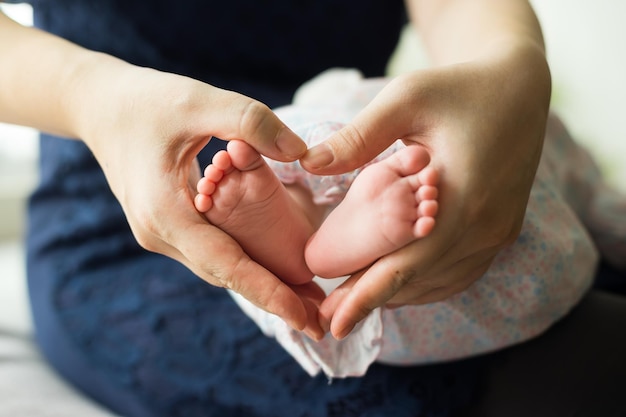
(526, 68)
(96, 87)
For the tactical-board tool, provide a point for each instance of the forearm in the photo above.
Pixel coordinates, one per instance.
(46, 82)
(462, 30)
(498, 46)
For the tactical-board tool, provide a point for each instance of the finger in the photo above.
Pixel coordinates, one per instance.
(373, 130)
(312, 297)
(312, 328)
(243, 118)
(219, 260)
(366, 294)
(310, 291)
(360, 294)
(454, 280)
(399, 279)
(333, 300)
(435, 253)
(358, 297)
(376, 286)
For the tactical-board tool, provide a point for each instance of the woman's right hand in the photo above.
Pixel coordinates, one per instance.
(146, 130)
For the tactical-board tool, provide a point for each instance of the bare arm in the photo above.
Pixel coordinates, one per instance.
(480, 110)
(462, 30)
(38, 72)
(56, 86)
(146, 128)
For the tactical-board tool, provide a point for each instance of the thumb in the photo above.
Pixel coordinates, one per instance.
(243, 118)
(372, 131)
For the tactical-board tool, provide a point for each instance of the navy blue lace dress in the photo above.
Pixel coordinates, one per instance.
(140, 333)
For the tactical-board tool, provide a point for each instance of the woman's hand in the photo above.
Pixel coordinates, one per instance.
(149, 128)
(483, 123)
(145, 128)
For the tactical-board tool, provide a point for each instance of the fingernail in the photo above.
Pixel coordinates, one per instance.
(319, 156)
(289, 144)
(296, 325)
(314, 334)
(342, 332)
(324, 324)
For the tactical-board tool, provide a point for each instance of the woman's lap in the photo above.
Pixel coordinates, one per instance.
(141, 334)
(144, 336)
(147, 338)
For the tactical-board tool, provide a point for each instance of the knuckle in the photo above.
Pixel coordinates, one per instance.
(224, 279)
(146, 238)
(254, 117)
(148, 228)
(226, 274)
(399, 277)
(497, 228)
(363, 311)
(144, 241)
(505, 233)
(350, 146)
(352, 139)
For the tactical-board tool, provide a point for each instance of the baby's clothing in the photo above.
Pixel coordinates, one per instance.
(329, 189)
(530, 285)
(321, 107)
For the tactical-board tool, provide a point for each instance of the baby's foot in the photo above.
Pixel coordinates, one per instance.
(241, 195)
(389, 204)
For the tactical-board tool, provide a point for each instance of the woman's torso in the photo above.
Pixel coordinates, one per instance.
(261, 48)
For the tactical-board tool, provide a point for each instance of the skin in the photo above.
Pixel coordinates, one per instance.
(390, 204)
(480, 109)
(145, 128)
(285, 231)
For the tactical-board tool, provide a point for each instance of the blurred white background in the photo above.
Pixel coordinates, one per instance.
(18, 154)
(18, 175)
(586, 48)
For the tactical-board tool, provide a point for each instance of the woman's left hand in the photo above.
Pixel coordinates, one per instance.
(483, 124)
